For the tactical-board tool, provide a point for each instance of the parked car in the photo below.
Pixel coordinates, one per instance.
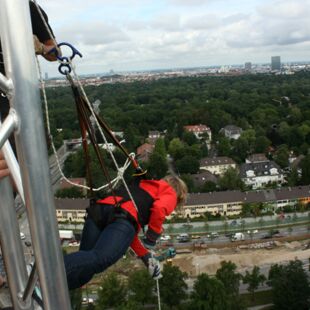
(239, 236)
(266, 236)
(165, 238)
(233, 223)
(183, 237)
(22, 236)
(213, 235)
(196, 237)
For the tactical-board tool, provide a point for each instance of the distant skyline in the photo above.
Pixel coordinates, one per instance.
(134, 35)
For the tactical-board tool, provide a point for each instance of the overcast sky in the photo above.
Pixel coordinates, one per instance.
(154, 34)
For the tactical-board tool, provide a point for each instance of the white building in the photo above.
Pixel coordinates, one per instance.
(217, 165)
(258, 175)
(231, 132)
(201, 132)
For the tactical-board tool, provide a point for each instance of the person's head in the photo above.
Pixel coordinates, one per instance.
(179, 186)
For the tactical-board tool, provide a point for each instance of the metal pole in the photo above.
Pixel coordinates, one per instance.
(18, 52)
(11, 245)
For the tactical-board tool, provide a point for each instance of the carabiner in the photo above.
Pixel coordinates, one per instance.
(65, 67)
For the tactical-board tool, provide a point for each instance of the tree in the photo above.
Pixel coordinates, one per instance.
(241, 149)
(224, 147)
(261, 144)
(293, 178)
(141, 286)
(112, 292)
(290, 286)
(231, 180)
(157, 166)
(72, 192)
(281, 156)
(160, 147)
(305, 168)
(208, 293)
(189, 138)
(230, 278)
(76, 299)
(172, 285)
(176, 148)
(208, 186)
(189, 182)
(253, 279)
(188, 164)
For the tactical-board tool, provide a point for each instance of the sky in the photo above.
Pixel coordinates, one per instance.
(135, 35)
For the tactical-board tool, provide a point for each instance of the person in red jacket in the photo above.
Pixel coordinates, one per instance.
(113, 223)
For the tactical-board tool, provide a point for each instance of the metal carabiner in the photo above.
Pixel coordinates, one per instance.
(65, 67)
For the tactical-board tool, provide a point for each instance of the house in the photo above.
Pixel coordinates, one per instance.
(71, 210)
(231, 132)
(153, 136)
(256, 158)
(200, 131)
(144, 151)
(202, 177)
(260, 174)
(224, 203)
(217, 165)
(231, 202)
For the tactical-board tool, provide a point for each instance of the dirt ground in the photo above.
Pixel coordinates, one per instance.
(208, 260)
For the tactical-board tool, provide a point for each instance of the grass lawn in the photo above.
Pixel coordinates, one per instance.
(260, 298)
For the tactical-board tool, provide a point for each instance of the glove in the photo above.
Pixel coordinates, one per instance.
(148, 243)
(153, 266)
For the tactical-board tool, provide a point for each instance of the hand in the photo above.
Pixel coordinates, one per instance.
(45, 49)
(154, 268)
(4, 170)
(148, 243)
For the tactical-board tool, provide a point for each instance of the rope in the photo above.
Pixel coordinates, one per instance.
(120, 171)
(158, 294)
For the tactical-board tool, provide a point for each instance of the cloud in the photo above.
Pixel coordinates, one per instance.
(139, 34)
(190, 2)
(93, 33)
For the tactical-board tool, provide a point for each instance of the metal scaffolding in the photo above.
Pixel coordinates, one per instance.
(25, 118)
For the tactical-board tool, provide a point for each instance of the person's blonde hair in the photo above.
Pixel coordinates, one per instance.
(179, 186)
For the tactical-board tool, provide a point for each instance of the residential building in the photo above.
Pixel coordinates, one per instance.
(202, 177)
(276, 63)
(231, 202)
(144, 151)
(256, 158)
(217, 165)
(260, 174)
(199, 131)
(71, 210)
(231, 132)
(224, 203)
(153, 136)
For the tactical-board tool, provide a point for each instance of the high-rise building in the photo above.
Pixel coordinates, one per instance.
(248, 66)
(275, 63)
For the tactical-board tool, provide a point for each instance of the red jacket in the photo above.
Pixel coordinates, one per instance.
(165, 201)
